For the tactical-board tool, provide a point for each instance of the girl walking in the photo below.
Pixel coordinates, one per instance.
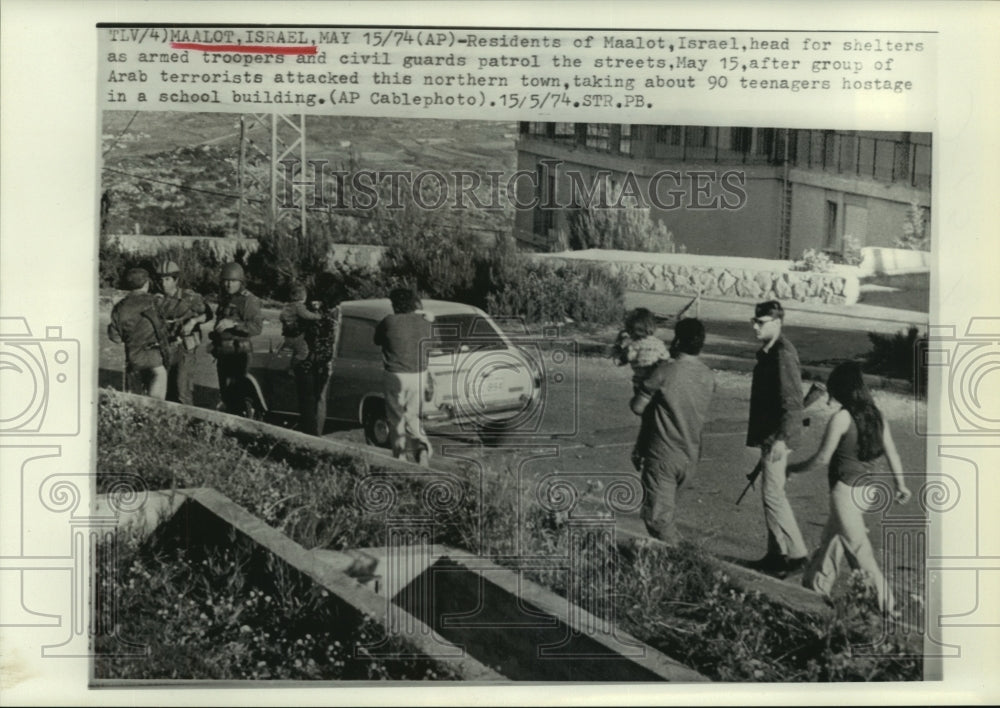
(856, 436)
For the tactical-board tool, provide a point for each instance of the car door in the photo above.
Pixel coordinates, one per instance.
(273, 372)
(357, 369)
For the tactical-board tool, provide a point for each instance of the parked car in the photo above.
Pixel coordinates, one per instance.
(479, 377)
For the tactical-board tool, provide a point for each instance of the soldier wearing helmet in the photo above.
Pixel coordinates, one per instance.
(237, 320)
(136, 323)
(183, 311)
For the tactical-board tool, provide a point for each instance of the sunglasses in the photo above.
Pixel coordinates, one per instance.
(761, 321)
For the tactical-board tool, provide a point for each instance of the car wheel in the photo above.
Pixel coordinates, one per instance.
(250, 409)
(376, 424)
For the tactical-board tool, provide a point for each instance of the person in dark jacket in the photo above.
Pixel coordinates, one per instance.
(136, 323)
(237, 320)
(775, 427)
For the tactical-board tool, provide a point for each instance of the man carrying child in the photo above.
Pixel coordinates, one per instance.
(673, 400)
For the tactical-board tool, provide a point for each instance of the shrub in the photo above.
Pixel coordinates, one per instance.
(629, 228)
(900, 355)
(284, 257)
(814, 261)
(852, 251)
(112, 262)
(435, 257)
(539, 291)
(916, 235)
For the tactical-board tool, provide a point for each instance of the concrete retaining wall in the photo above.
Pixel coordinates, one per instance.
(482, 621)
(893, 261)
(720, 276)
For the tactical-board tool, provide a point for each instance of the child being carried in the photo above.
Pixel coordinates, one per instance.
(638, 346)
(295, 318)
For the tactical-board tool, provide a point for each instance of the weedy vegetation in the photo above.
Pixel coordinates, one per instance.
(211, 617)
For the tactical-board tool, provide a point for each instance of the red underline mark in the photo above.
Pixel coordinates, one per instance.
(243, 48)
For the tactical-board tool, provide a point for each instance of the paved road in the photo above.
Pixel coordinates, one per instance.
(587, 432)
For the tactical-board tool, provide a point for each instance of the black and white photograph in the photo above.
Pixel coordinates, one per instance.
(443, 364)
(390, 372)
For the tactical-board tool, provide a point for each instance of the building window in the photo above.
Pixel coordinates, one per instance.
(668, 134)
(564, 132)
(598, 136)
(740, 139)
(922, 166)
(831, 242)
(697, 136)
(625, 140)
(847, 160)
(765, 142)
(544, 215)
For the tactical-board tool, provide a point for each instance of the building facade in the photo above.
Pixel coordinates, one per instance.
(754, 192)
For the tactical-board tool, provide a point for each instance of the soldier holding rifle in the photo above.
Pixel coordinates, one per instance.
(183, 311)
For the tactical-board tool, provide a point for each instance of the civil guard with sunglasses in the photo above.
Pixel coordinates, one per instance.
(775, 427)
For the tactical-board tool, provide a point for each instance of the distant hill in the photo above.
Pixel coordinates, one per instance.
(389, 143)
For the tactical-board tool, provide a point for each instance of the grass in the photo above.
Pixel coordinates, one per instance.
(910, 292)
(674, 600)
(232, 613)
(679, 602)
(332, 500)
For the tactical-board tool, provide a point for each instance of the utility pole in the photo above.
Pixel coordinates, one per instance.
(286, 141)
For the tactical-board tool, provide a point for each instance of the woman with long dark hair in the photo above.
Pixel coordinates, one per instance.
(856, 436)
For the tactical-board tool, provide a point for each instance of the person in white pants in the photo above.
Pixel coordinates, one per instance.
(855, 437)
(399, 335)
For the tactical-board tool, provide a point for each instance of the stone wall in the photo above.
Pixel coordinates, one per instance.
(722, 276)
(712, 276)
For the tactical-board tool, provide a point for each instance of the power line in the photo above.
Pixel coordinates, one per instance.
(114, 144)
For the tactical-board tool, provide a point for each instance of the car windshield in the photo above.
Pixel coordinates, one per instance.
(470, 330)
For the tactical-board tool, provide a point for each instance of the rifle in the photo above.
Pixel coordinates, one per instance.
(696, 300)
(816, 392)
(162, 341)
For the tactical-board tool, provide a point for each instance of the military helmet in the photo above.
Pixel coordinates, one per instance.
(167, 267)
(233, 271)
